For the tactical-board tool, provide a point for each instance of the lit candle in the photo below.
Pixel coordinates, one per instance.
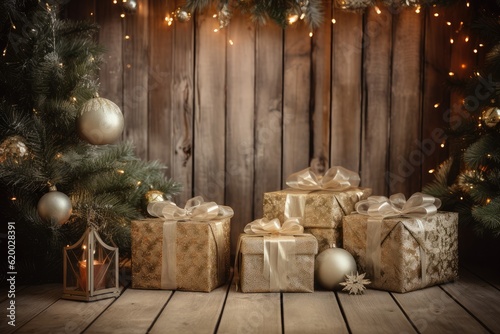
(99, 275)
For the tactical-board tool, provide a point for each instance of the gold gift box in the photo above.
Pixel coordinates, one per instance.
(300, 278)
(405, 246)
(323, 209)
(326, 237)
(197, 258)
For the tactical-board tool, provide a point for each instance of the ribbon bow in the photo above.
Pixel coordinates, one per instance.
(196, 209)
(336, 178)
(419, 205)
(265, 226)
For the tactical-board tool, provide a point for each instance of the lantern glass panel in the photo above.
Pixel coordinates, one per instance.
(90, 269)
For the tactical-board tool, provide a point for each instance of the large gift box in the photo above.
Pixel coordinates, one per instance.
(321, 202)
(272, 258)
(403, 246)
(187, 249)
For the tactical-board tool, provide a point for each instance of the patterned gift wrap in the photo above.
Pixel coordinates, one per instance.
(414, 252)
(319, 209)
(300, 275)
(201, 263)
(326, 237)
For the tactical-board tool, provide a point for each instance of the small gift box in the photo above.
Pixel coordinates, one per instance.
(186, 249)
(321, 201)
(275, 258)
(403, 245)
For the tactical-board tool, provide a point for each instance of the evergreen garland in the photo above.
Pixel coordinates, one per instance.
(469, 182)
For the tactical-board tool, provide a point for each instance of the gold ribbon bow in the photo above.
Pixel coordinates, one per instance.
(279, 248)
(264, 226)
(336, 178)
(196, 209)
(418, 206)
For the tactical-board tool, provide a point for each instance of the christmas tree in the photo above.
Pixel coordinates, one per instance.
(59, 167)
(469, 181)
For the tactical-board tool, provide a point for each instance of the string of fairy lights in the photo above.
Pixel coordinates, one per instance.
(459, 34)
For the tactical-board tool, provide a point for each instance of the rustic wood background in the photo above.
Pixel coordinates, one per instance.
(232, 113)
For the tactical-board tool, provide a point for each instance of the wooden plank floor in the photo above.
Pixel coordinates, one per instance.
(470, 305)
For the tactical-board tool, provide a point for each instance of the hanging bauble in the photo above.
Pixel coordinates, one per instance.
(14, 149)
(130, 5)
(181, 15)
(54, 207)
(491, 116)
(331, 267)
(224, 16)
(100, 121)
(154, 196)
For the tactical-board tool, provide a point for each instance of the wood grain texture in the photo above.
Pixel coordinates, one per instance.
(181, 167)
(160, 93)
(66, 316)
(268, 112)
(210, 110)
(296, 99)
(29, 302)
(432, 311)
(405, 156)
(374, 312)
(474, 293)
(251, 313)
(436, 98)
(316, 312)
(377, 69)
(136, 77)
(240, 124)
(133, 312)
(346, 65)
(111, 38)
(191, 312)
(321, 85)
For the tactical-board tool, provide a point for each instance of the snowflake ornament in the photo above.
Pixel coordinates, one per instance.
(355, 284)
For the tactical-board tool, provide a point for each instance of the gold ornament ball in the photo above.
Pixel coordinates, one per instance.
(491, 116)
(154, 196)
(100, 121)
(332, 265)
(182, 15)
(54, 207)
(13, 148)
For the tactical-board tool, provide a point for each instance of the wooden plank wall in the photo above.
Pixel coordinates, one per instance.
(232, 113)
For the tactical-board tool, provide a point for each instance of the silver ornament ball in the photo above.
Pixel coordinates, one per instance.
(54, 207)
(332, 265)
(130, 5)
(182, 15)
(100, 121)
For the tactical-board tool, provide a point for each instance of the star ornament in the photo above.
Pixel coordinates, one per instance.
(355, 284)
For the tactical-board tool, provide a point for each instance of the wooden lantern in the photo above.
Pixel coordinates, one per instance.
(90, 269)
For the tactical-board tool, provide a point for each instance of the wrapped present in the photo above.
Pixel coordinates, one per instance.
(186, 249)
(321, 201)
(403, 245)
(275, 258)
(326, 237)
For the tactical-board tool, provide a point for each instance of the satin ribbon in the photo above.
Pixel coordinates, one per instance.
(196, 209)
(279, 249)
(336, 178)
(418, 206)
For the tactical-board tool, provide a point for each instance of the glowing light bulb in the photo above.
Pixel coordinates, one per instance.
(417, 10)
(475, 50)
(311, 34)
(13, 198)
(436, 14)
(463, 66)
(431, 171)
(451, 41)
(451, 74)
(442, 145)
(334, 21)
(231, 42)
(466, 39)
(122, 15)
(293, 18)
(448, 23)
(377, 10)
(436, 105)
(127, 37)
